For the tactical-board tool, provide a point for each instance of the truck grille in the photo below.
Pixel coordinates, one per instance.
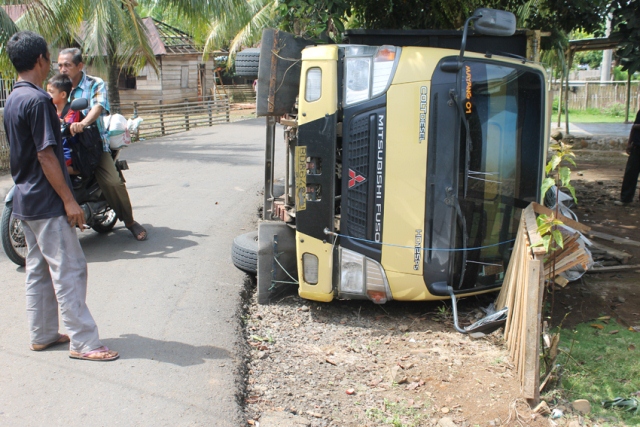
(358, 161)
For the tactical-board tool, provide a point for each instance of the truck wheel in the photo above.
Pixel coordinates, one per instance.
(13, 240)
(247, 62)
(244, 252)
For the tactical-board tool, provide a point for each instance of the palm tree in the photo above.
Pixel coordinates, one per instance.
(242, 27)
(109, 32)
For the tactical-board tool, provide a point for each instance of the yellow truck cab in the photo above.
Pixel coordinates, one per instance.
(407, 166)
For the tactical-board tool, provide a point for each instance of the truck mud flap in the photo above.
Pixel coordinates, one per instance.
(277, 260)
(279, 72)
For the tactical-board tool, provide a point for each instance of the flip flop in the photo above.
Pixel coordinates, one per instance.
(62, 339)
(137, 230)
(101, 354)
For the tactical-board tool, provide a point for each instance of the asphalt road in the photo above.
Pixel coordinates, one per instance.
(169, 305)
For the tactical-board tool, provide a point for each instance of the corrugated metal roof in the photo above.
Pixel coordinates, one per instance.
(166, 39)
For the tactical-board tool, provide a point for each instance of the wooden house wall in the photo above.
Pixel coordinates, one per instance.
(151, 87)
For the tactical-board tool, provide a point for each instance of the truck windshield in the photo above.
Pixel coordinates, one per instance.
(499, 166)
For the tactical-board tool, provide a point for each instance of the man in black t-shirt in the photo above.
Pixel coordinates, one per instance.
(56, 267)
(630, 180)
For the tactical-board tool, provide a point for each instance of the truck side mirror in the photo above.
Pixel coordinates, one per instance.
(494, 22)
(489, 22)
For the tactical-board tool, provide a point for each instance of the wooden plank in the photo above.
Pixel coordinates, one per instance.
(614, 268)
(621, 256)
(507, 286)
(582, 260)
(614, 239)
(539, 209)
(532, 226)
(511, 279)
(532, 332)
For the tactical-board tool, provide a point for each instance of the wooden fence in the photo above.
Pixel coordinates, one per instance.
(165, 119)
(5, 88)
(157, 120)
(239, 93)
(588, 94)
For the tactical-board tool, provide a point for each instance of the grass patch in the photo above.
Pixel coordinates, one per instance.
(398, 414)
(602, 364)
(589, 117)
(615, 113)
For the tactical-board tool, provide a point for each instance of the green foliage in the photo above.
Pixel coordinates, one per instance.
(322, 20)
(626, 24)
(603, 364)
(547, 229)
(614, 110)
(561, 153)
(593, 58)
(556, 170)
(619, 73)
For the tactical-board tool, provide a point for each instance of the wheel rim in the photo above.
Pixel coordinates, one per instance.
(108, 217)
(16, 236)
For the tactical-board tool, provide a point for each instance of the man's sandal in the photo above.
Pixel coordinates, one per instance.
(101, 354)
(62, 339)
(138, 231)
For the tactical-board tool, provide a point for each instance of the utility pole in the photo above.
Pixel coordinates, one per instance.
(605, 66)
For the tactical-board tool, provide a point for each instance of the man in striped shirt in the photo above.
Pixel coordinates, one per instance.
(94, 90)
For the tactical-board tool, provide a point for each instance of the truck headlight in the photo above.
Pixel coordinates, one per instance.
(362, 277)
(351, 272)
(310, 268)
(313, 87)
(368, 71)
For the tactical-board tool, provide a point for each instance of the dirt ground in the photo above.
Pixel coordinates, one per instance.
(597, 180)
(353, 363)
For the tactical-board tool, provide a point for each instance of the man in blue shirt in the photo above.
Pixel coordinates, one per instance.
(56, 269)
(94, 90)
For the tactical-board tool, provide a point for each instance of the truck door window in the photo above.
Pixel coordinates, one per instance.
(503, 107)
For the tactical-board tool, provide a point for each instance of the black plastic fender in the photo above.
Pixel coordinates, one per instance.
(277, 259)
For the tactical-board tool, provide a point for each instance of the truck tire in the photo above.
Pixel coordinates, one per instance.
(244, 252)
(247, 62)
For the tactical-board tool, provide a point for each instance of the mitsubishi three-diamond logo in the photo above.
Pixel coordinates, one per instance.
(355, 178)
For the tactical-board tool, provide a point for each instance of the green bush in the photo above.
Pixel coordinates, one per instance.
(615, 110)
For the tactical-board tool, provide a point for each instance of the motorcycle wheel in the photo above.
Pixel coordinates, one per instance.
(13, 240)
(107, 224)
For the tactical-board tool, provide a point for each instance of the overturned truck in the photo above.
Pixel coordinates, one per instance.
(409, 157)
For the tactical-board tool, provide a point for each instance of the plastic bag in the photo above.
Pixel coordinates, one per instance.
(119, 135)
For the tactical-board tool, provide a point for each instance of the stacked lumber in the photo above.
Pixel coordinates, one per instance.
(523, 289)
(573, 252)
(522, 292)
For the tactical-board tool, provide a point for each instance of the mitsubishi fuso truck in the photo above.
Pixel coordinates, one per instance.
(409, 156)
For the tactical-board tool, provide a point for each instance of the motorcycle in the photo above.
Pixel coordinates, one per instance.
(97, 212)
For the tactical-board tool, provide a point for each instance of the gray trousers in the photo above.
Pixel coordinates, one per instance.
(57, 275)
(114, 189)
